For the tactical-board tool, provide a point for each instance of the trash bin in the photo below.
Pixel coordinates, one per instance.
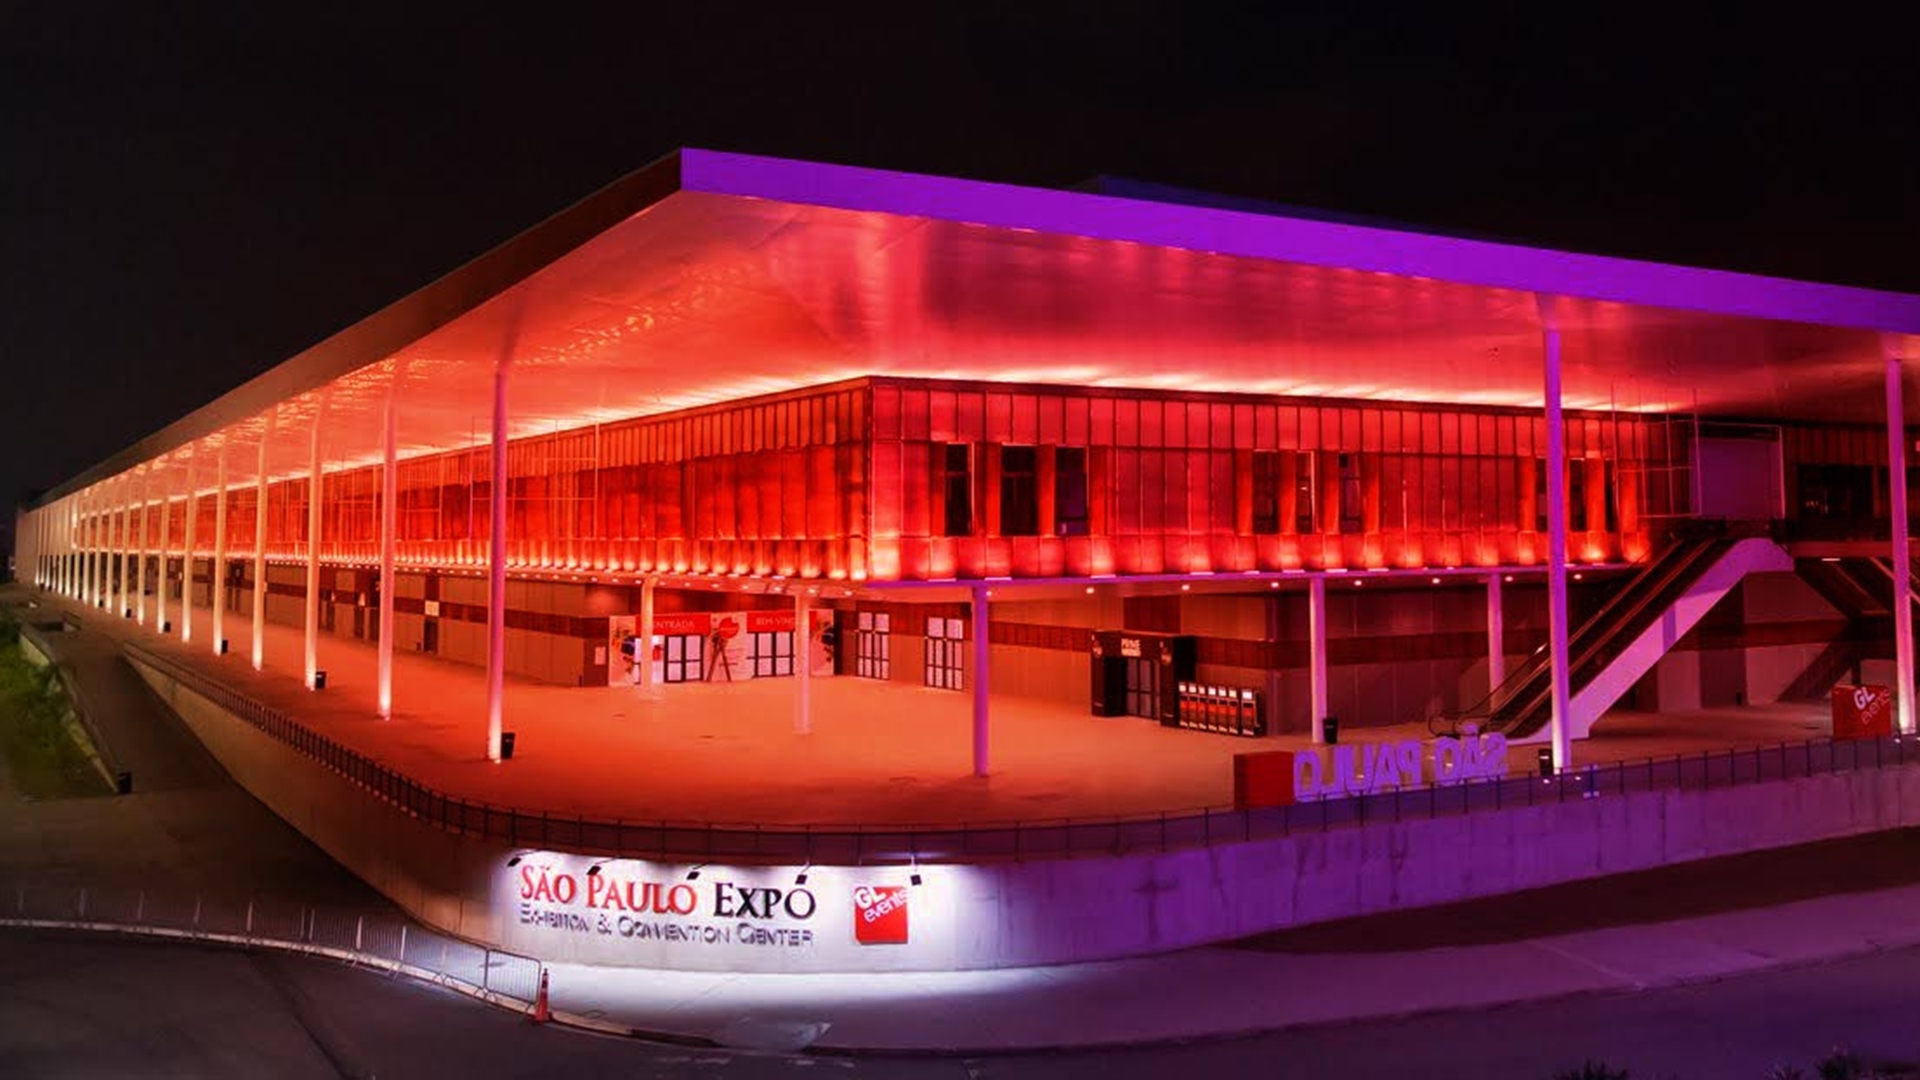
(1330, 728)
(319, 680)
(123, 783)
(506, 745)
(1545, 757)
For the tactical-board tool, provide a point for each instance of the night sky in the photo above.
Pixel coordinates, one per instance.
(185, 204)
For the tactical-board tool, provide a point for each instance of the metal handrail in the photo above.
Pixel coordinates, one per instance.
(381, 939)
(827, 843)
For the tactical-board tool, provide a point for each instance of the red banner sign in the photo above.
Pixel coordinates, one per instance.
(698, 622)
(769, 622)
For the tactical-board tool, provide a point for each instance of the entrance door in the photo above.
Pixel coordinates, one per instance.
(770, 653)
(684, 656)
(1143, 687)
(873, 646)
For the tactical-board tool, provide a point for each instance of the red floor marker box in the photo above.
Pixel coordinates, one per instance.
(1262, 779)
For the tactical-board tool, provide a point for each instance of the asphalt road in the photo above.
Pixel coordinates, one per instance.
(91, 1006)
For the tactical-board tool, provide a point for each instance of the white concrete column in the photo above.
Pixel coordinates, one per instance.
(103, 544)
(647, 687)
(260, 548)
(1902, 548)
(218, 586)
(122, 540)
(140, 576)
(802, 663)
(1556, 539)
(982, 648)
(315, 489)
(89, 525)
(1496, 635)
(1317, 655)
(497, 563)
(389, 515)
(166, 526)
(83, 549)
(90, 536)
(106, 547)
(186, 560)
(130, 552)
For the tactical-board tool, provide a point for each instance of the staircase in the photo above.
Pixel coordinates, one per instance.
(1861, 589)
(1610, 651)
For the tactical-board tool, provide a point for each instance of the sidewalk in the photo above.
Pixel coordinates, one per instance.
(1221, 991)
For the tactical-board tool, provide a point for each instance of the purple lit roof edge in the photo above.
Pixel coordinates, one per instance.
(1317, 243)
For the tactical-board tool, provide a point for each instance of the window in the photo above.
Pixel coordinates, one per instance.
(1019, 492)
(1266, 492)
(771, 653)
(1352, 502)
(953, 486)
(1306, 496)
(1576, 495)
(873, 646)
(1070, 491)
(946, 645)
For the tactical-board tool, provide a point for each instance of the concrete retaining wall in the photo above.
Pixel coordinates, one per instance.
(439, 877)
(1049, 911)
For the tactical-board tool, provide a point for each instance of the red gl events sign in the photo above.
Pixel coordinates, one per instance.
(1862, 712)
(880, 914)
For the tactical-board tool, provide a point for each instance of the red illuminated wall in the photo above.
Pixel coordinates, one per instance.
(910, 479)
(1181, 483)
(772, 486)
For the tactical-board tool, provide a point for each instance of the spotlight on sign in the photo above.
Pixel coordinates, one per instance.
(694, 874)
(801, 877)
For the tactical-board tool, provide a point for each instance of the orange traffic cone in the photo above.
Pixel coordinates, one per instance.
(541, 1014)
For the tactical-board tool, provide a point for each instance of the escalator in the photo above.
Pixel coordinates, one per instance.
(1620, 642)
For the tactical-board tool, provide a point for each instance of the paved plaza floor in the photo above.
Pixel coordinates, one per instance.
(877, 753)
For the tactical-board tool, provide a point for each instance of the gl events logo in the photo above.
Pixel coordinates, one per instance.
(880, 914)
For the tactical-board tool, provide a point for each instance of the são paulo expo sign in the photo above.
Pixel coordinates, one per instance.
(631, 912)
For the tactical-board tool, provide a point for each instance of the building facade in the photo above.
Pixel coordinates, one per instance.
(671, 475)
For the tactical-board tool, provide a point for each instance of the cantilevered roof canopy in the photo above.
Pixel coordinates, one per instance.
(711, 276)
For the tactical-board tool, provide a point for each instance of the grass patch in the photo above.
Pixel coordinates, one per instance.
(43, 759)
